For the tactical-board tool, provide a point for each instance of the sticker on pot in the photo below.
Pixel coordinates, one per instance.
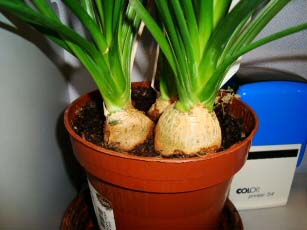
(103, 210)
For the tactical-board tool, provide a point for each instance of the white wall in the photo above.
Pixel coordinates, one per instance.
(290, 53)
(35, 188)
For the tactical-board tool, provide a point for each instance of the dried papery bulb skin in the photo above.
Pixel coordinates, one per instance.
(126, 129)
(189, 133)
(158, 108)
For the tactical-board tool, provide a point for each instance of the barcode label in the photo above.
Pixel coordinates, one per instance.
(103, 210)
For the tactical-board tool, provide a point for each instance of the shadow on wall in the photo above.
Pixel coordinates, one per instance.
(277, 59)
(291, 63)
(75, 172)
(28, 33)
(25, 31)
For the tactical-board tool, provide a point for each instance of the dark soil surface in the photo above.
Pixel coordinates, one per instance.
(231, 127)
(90, 121)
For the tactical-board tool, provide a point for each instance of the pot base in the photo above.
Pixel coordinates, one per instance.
(80, 215)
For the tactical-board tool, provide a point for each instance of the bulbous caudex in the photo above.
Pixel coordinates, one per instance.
(189, 133)
(158, 108)
(126, 129)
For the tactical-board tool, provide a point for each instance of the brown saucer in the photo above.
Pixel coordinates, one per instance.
(80, 215)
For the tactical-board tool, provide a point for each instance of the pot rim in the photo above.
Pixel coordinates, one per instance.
(126, 155)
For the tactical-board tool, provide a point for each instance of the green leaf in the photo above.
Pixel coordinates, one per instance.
(100, 13)
(221, 7)
(270, 38)
(205, 22)
(113, 83)
(183, 75)
(127, 34)
(214, 83)
(89, 23)
(256, 26)
(184, 34)
(25, 13)
(220, 37)
(191, 18)
(223, 36)
(232, 40)
(89, 8)
(44, 7)
(166, 78)
(118, 11)
(108, 19)
(155, 30)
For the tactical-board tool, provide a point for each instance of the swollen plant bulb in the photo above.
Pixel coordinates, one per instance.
(158, 108)
(126, 129)
(189, 133)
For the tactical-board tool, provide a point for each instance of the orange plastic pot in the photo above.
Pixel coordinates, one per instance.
(156, 193)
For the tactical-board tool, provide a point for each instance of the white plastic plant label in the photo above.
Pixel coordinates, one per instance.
(103, 210)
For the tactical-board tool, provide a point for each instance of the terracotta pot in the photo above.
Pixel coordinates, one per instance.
(156, 193)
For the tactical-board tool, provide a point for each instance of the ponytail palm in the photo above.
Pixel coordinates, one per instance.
(201, 41)
(107, 54)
